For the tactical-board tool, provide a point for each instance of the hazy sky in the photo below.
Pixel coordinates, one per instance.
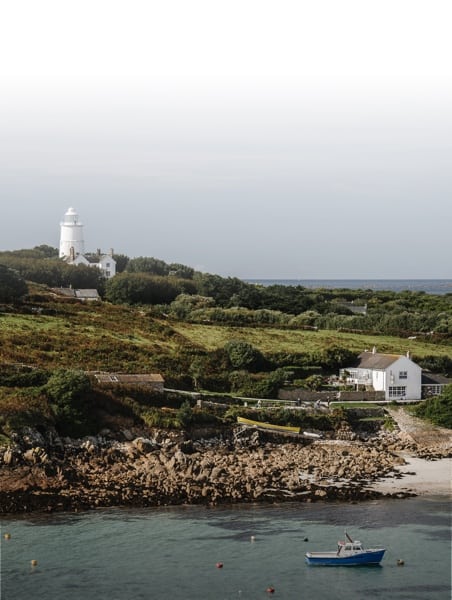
(282, 139)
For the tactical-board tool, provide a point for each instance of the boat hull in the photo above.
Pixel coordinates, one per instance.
(370, 557)
(269, 426)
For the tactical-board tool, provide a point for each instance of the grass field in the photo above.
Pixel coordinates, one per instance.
(108, 337)
(269, 340)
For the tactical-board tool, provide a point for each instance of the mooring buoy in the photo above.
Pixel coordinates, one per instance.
(270, 589)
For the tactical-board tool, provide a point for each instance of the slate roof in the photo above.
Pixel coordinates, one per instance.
(374, 360)
(435, 379)
(87, 294)
(70, 292)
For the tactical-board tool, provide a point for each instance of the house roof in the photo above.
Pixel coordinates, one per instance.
(140, 378)
(434, 379)
(88, 293)
(80, 294)
(70, 292)
(92, 259)
(375, 360)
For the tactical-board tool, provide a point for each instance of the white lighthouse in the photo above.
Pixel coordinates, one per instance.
(71, 235)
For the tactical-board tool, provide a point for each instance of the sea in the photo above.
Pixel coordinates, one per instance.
(429, 286)
(247, 552)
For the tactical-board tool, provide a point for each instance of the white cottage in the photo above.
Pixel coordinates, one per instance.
(395, 375)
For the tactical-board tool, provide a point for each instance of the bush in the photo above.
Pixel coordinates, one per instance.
(185, 415)
(438, 409)
(243, 355)
(67, 391)
(12, 285)
(23, 378)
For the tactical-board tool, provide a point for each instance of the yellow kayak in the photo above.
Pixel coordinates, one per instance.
(251, 423)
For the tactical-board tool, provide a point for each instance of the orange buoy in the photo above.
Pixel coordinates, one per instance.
(7, 536)
(34, 563)
(219, 565)
(270, 590)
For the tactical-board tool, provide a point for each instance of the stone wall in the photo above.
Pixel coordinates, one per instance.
(365, 396)
(306, 395)
(330, 396)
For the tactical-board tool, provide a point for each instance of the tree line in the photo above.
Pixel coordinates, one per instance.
(181, 292)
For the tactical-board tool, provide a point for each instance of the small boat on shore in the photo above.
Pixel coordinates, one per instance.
(348, 553)
(267, 426)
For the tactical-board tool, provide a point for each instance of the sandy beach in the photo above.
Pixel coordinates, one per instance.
(421, 476)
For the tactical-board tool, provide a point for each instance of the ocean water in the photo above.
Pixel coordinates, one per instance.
(430, 286)
(172, 553)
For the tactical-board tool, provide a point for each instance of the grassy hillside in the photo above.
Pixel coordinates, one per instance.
(53, 332)
(271, 339)
(61, 336)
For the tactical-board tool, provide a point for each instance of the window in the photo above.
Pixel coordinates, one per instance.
(397, 391)
(403, 375)
(107, 265)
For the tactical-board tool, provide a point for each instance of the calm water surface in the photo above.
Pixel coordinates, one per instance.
(172, 553)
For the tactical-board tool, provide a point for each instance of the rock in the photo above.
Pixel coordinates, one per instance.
(144, 445)
(127, 435)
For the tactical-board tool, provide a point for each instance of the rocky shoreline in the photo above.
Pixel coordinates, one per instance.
(167, 468)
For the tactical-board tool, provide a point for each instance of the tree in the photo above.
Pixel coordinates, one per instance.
(185, 415)
(142, 288)
(337, 357)
(121, 262)
(147, 264)
(67, 391)
(182, 271)
(314, 382)
(12, 285)
(82, 277)
(46, 251)
(243, 355)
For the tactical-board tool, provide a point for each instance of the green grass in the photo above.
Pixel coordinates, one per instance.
(110, 337)
(269, 340)
(354, 405)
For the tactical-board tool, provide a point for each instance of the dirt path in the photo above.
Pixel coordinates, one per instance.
(423, 433)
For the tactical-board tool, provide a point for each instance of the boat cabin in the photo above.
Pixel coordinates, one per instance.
(349, 547)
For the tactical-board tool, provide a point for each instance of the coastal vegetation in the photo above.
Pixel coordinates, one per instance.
(437, 410)
(201, 331)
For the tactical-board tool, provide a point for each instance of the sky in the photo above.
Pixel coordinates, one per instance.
(256, 139)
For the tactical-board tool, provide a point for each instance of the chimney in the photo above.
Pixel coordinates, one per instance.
(98, 252)
(111, 252)
(408, 355)
(72, 253)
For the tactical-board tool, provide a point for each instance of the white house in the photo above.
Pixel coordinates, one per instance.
(395, 375)
(104, 262)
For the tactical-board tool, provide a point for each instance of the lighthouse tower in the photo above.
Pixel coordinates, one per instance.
(71, 235)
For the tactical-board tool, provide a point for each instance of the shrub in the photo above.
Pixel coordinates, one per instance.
(438, 409)
(12, 285)
(243, 355)
(67, 391)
